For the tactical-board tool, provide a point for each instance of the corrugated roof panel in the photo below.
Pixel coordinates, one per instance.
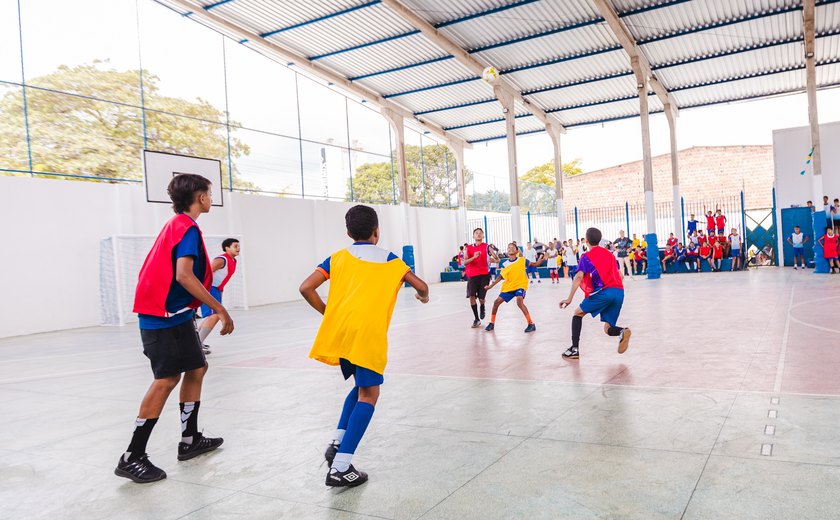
(374, 58)
(445, 96)
(436, 11)
(828, 48)
(549, 47)
(732, 37)
(474, 133)
(460, 116)
(828, 75)
(771, 58)
(699, 13)
(433, 74)
(262, 17)
(570, 71)
(348, 30)
(827, 18)
(615, 110)
(589, 92)
(518, 22)
(753, 87)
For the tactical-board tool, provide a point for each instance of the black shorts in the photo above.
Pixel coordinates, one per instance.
(476, 286)
(173, 351)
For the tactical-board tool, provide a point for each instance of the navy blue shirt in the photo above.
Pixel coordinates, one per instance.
(178, 297)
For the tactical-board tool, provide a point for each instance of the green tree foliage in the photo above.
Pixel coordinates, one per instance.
(427, 176)
(536, 186)
(490, 200)
(79, 135)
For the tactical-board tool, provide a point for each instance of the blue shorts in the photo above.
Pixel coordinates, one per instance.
(606, 302)
(207, 311)
(736, 253)
(530, 269)
(364, 376)
(798, 250)
(508, 296)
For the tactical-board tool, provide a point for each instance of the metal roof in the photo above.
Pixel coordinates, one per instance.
(560, 55)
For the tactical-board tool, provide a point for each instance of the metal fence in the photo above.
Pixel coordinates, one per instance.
(630, 218)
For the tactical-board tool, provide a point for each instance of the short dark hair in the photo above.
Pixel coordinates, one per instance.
(361, 222)
(228, 242)
(183, 188)
(593, 236)
(477, 229)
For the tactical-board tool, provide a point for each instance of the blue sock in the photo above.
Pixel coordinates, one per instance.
(356, 426)
(349, 404)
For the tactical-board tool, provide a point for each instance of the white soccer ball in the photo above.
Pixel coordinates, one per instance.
(490, 75)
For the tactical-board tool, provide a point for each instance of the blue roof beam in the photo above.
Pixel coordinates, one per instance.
(320, 18)
(216, 4)
(471, 16)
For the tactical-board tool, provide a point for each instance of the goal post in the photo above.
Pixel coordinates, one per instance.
(120, 260)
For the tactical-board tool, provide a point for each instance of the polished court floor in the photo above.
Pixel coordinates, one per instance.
(726, 405)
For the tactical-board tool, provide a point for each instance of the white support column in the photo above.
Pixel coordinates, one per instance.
(811, 87)
(554, 132)
(398, 125)
(679, 228)
(457, 148)
(644, 116)
(510, 130)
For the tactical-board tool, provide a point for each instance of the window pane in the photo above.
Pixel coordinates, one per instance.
(323, 115)
(326, 172)
(86, 47)
(373, 178)
(268, 163)
(71, 134)
(187, 136)
(182, 63)
(368, 129)
(13, 152)
(261, 92)
(9, 42)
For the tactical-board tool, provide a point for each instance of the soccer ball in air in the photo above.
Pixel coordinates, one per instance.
(490, 75)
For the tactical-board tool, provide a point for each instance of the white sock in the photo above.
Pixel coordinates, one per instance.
(341, 462)
(338, 436)
(203, 332)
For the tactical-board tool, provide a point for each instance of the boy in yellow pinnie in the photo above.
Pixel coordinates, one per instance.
(364, 283)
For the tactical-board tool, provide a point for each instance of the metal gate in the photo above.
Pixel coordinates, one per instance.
(760, 236)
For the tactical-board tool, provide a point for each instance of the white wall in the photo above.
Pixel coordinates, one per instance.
(790, 148)
(49, 274)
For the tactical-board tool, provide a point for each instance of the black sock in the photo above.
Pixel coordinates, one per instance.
(142, 432)
(482, 308)
(474, 308)
(614, 331)
(189, 421)
(577, 324)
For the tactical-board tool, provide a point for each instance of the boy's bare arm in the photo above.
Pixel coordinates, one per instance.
(419, 285)
(217, 264)
(308, 289)
(184, 275)
(575, 284)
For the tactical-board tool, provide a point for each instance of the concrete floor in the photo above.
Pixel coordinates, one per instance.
(726, 405)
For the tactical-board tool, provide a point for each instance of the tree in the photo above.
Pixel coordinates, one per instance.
(80, 135)
(536, 186)
(491, 200)
(429, 179)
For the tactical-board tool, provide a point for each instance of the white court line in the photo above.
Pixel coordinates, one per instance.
(818, 327)
(780, 368)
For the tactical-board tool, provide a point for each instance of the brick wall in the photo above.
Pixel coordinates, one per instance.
(707, 173)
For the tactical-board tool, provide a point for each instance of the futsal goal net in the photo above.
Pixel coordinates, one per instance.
(120, 260)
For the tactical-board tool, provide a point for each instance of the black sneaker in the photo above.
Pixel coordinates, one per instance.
(571, 353)
(350, 478)
(476, 324)
(329, 455)
(206, 349)
(200, 444)
(481, 313)
(531, 327)
(140, 470)
(490, 327)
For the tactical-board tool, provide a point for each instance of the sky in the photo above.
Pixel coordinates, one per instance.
(186, 56)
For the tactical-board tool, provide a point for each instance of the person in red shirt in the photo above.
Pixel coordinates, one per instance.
(717, 255)
(705, 254)
(477, 270)
(670, 256)
(720, 222)
(701, 237)
(712, 238)
(710, 221)
(640, 257)
(672, 241)
(831, 248)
